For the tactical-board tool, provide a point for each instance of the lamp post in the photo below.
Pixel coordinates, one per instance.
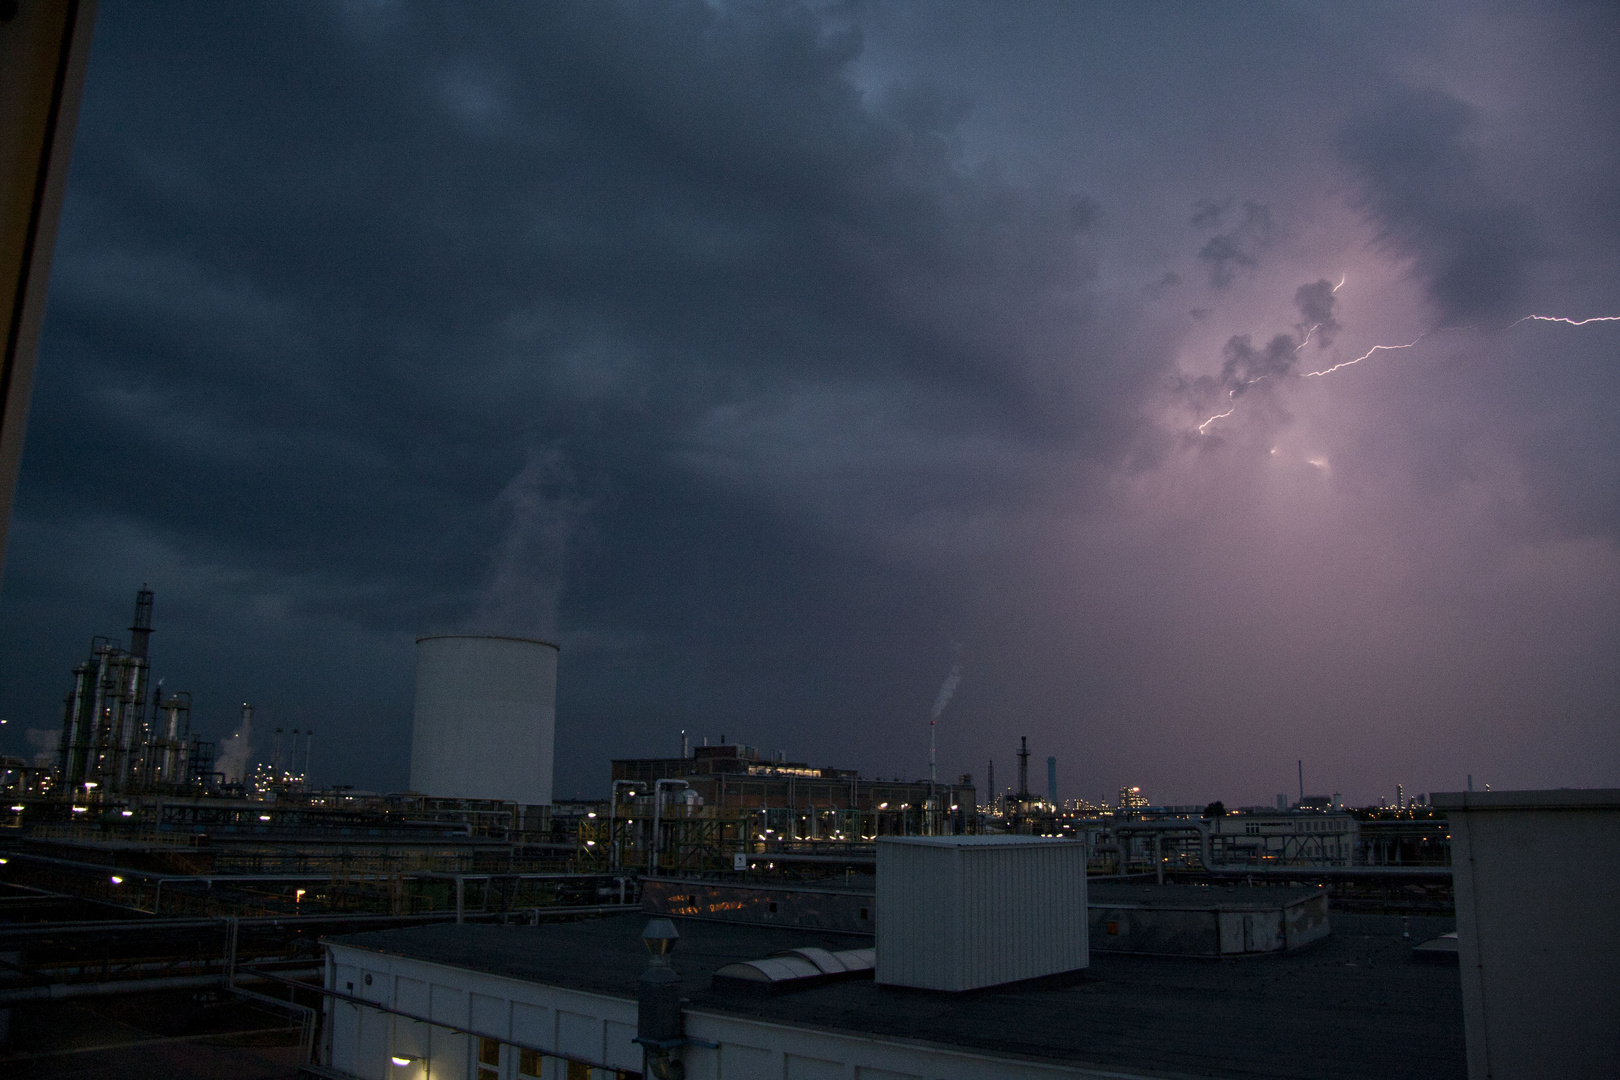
(613, 820)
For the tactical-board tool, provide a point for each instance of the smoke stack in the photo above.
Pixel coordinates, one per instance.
(140, 632)
(1023, 767)
(1051, 780)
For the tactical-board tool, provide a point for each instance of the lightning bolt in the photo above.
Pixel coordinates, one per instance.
(1231, 396)
(1363, 356)
(1568, 322)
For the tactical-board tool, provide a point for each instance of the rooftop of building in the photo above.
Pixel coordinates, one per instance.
(1353, 1005)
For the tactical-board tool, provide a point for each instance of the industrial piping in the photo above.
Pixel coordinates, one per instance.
(657, 836)
(613, 818)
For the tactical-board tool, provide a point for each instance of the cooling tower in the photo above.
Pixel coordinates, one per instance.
(486, 718)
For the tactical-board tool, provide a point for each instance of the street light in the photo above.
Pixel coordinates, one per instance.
(613, 816)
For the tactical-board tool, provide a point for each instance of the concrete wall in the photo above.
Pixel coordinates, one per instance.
(1537, 879)
(597, 1028)
(1216, 930)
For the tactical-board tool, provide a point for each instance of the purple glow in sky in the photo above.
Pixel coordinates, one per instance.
(1229, 384)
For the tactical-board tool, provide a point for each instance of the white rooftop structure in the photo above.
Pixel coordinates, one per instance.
(961, 912)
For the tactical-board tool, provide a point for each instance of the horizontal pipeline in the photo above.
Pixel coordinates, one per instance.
(58, 991)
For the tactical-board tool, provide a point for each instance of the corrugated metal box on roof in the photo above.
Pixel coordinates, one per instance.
(961, 912)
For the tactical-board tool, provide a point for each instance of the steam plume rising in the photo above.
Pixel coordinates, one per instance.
(946, 689)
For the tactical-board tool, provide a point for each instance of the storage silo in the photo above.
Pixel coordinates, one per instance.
(486, 718)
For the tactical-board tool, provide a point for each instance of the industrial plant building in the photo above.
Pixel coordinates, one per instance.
(824, 923)
(982, 970)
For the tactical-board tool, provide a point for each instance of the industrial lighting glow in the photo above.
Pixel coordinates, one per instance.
(591, 814)
(116, 880)
(298, 895)
(590, 843)
(264, 817)
(402, 1062)
(127, 813)
(80, 809)
(18, 808)
(883, 806)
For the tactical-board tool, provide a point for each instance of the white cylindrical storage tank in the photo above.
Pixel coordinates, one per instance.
(486, 718)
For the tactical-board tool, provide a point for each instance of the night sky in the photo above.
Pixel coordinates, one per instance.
(776, 358)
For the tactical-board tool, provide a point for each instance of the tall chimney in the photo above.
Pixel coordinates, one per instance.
(141, 632)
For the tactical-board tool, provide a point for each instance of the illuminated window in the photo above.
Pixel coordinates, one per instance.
(530, 1062)
(489, 1059)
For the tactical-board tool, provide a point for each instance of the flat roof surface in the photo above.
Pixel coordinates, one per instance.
(1352, 1005)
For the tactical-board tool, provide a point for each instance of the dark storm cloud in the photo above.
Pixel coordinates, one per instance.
(1237, 250)
(1424, 184)
(1315, 303)
(765, 351)
(1208, 212)
(471, 291)
(1244, 364)
(614, 216)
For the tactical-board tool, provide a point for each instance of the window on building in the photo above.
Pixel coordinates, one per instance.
(489, 1059)
(529, 1063)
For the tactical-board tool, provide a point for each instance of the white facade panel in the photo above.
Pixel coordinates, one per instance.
(960, 912)
(489, 1016)
(486, 718)
(728, 1047)
(1536, 874)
